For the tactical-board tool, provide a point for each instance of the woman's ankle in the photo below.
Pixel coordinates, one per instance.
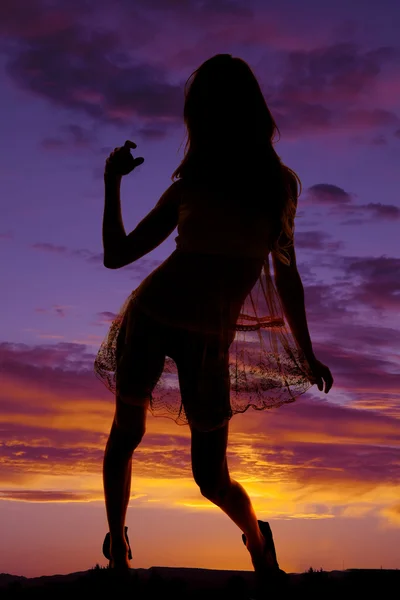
(119, 550)
(255, 545)
(264, 562)
(261, 556)
(118, 541)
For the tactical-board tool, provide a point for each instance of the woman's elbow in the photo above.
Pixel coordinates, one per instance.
(117, 260)
(111, 263)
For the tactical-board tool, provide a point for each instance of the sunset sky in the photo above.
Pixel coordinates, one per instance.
(78, 78)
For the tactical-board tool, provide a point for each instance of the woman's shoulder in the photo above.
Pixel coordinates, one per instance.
(173, 194)
(176, 186)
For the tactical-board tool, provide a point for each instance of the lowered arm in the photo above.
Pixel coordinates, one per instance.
(291, 292)
(121, 249)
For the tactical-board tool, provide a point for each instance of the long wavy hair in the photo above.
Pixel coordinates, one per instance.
(229, 140)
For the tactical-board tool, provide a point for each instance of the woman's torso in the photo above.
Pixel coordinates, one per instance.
(198, 291)
(220, 251)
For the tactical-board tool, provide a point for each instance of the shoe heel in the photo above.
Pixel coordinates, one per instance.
(269, 540)
(106, 545)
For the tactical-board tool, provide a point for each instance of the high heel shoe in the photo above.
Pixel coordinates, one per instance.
(269, 541)
(107, 541)
(274, 575)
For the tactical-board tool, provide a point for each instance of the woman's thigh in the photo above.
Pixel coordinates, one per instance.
(204, 381)
(209, 462)
(140, 358)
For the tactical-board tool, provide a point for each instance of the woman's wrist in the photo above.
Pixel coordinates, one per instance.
(310, 357)
(110, 177)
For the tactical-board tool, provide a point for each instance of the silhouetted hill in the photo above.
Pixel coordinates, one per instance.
(191, 584)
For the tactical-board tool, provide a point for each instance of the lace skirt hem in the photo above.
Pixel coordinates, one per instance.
(266, 367)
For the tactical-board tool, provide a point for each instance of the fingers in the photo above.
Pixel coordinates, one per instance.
(130, 145)
(121, 159)
(322, 375)
(325, 378)
(329, 382)
(126, 147)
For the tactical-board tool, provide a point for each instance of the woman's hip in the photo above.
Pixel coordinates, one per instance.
(186, 345)
(202, 363)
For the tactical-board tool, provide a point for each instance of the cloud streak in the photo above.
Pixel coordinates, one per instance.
(139, 268)
(340, 202)
(108, 73)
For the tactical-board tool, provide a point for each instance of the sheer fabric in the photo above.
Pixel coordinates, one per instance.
(266, 367)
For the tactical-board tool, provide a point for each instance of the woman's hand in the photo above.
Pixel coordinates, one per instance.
(121, 162)
(321, 374)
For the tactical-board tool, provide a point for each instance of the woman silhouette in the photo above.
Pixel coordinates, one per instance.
(178, 346)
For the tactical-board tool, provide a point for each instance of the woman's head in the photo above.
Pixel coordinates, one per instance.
(224, 102)
(230, 135)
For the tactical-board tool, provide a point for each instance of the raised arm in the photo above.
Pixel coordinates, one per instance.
(121, 249)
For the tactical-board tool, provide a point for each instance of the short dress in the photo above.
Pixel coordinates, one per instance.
(214, 292)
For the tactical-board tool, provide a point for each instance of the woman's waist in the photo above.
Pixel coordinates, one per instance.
(234, 247)
(198, 289)
(208, 274)
(185, 260)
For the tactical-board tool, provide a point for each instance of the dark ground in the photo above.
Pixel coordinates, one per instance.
(193, 584)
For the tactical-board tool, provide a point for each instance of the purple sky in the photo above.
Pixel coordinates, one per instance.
(77, 80)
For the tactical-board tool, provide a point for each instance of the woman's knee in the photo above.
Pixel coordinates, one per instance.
(214, 488)
(209, 462)
(130, 418)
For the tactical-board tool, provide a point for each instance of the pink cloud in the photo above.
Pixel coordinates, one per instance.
(379, 210)
(50, 247)
(320, 89)
(380, 283)
(77, 137)
(106, 317)
(308, 442)
(59, 311)
(367, 119)
(84, 253)
(341, 202)
(317, 240)
(327, 193)
(335, 74)
(28, 19)
(44, 496)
